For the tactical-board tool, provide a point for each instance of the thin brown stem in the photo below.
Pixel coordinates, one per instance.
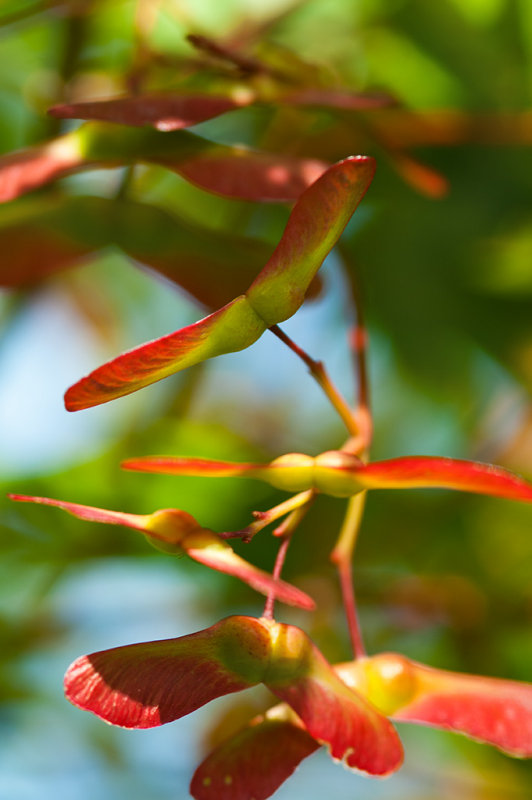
(319, 373)
(341, 556)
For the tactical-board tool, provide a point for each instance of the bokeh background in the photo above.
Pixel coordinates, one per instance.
(446, 281)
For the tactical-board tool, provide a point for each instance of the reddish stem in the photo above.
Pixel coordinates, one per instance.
(342, 556)
(276, 574)
(319, 373)
(348, 595)
(285, 531)
(265, 518)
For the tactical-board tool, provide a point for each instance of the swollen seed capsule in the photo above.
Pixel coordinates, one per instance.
(391, 682)
(335, 473)
(170, 526)
(292, 472)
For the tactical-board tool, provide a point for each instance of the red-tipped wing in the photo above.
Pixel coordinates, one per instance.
(413, 472)
(353, 730)
(181, 531)
(218, 555)
(254, 763)
(231, 328)
(25, 170)
(201, 467)
(314, 226)
(490, 710)
(148, 684)
(164, 112)
(237, 172)
(254, 176)
(89, 513)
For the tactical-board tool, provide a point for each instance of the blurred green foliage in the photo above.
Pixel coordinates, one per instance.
(446, 286)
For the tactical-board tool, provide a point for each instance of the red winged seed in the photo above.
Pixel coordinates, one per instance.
(163, 112)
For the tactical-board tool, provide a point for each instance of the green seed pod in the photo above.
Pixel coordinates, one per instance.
(292, 472)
